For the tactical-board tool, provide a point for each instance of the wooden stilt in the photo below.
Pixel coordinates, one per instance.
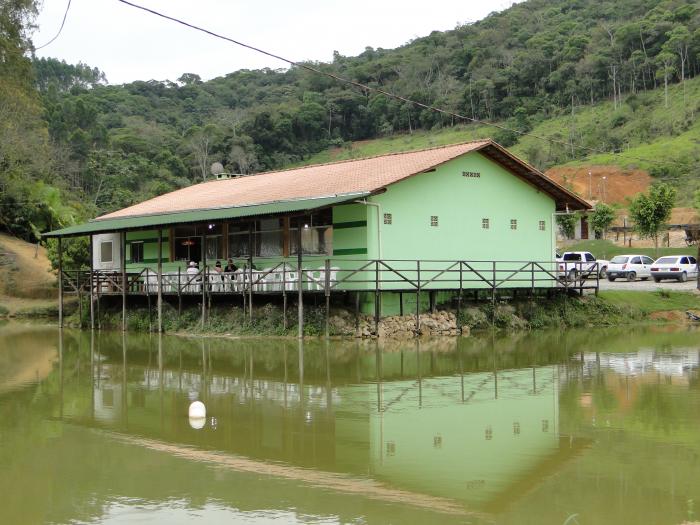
(432, 301)
(179, 295)
(327, 292)
(284, 295)
(160, 281)
(148, 300)
(92, 286)
(357, 312)
(459, 294)
(122, 255)
(401, 304)
(417, 298)
(250, 270)
(80, 297)
(60, 283)
(300, 273)
(376, 298)
(203, 274)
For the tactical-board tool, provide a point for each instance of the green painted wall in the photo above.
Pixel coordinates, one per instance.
(150, 250)
(460, 204)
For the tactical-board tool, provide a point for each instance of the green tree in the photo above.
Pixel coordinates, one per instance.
(651, 210)
(567, 224)
(602, 217)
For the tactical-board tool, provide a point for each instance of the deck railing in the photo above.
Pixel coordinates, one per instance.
(342, 275)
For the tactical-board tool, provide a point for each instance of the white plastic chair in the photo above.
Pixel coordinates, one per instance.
(312, 280)
(152, 282)
(266, 279)
(291, 280)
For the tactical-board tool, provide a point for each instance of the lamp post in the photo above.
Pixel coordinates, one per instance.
(604, 179)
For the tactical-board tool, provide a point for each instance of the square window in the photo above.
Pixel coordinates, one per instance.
(106, 252)
(433, 220)
(514, 224)
(387, 218)
(390, 448)
(485, 224)
(542, 226)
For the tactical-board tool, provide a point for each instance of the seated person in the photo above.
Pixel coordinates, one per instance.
(230, 267)
(192, 268)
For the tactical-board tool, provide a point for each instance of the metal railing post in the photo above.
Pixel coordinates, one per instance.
(327, 291)
(418, 298)
(459, 297)
(60, 283)
(284, 295)
(377, 298)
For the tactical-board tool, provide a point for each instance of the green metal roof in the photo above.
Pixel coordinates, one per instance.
(167, 219)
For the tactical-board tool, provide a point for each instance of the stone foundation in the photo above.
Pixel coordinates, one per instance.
(441, 323)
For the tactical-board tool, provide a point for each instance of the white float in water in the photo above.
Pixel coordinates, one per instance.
(197, 410)
(197, 423)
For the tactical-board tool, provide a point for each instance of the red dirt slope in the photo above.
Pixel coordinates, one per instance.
(607, 183)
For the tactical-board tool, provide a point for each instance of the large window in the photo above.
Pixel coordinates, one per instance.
(316, 234)
(269, 238)
(238, 241)
(188, 242)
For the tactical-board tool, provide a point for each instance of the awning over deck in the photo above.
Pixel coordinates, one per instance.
(167, 219)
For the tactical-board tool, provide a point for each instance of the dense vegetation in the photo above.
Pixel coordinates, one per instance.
(72, 146)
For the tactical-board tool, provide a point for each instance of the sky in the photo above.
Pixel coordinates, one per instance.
(129, 44)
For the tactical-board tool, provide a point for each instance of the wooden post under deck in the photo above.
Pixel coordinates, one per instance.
(122, 256)
(327, 290)
(160, 281)
(250, 270)
(92, 285)
(300, 303)
(418, 298)
(60, 283)
(203, 274)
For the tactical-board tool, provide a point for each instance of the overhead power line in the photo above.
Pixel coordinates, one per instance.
(65, 15)
(384, 92)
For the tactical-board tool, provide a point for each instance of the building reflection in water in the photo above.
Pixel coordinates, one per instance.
(414, 417)
(396, 415)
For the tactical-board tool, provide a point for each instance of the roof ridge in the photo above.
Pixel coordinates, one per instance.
(345, 161)
(391, 154)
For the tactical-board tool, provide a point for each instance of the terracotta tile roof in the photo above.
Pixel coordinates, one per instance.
(322, 180)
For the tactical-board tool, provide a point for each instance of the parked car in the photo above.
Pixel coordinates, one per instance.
(630, 267)
(580, 265)
(678, 267)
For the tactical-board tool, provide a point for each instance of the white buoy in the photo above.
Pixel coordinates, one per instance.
(197, 410)
(197, 423)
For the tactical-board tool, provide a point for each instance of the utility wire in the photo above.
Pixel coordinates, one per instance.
(65, 15)
(366, 88)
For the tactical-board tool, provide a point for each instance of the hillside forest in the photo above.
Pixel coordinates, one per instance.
(584, 73)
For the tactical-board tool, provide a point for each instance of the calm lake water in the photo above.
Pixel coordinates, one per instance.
(587, 427)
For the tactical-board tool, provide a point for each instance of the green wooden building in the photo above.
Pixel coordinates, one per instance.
(468, 215)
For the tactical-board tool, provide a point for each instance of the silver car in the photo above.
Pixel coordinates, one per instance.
(678, 267)
(630, 267)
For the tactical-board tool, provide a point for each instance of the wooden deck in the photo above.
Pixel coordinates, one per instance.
(335, 276)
